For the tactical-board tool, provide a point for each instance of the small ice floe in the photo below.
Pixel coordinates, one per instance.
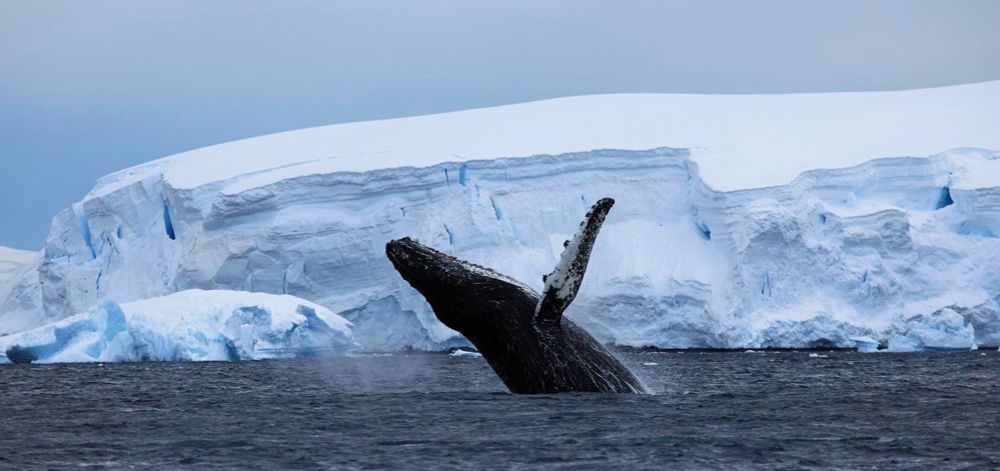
(817, 355)
(465, 353)
(653, 363)
(865, 344)
(750, 351)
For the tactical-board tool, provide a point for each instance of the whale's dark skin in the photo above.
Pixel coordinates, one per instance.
(530, 345)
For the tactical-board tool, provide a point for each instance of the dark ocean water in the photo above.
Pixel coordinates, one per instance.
(711, 410)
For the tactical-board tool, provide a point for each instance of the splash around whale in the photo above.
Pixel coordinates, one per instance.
(524, 336)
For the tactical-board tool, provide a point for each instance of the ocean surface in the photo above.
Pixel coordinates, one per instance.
(788, 410)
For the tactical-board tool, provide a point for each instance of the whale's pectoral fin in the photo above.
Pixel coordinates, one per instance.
(563, 283)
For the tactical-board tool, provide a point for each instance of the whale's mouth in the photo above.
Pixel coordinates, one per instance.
(429, 269)
(396, 250)
(426, 269)
(412, 258)
(422, 265)
(450, 285)
(445, 280)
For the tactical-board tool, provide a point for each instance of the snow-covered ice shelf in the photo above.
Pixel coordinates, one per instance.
(741, 221)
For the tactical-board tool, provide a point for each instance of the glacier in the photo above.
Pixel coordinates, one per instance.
(190, 325)
(744, 221)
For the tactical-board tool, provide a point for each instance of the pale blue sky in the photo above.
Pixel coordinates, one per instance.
(89, 87)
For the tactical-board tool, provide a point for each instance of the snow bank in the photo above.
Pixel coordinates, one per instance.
(719, 240)
(192, 325)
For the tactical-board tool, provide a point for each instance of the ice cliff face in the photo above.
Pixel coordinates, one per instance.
(833, 254)
(684, 259)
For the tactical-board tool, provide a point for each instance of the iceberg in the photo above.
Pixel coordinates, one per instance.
(865, 344)
(191, 325)
(944, 330)
(745, 221)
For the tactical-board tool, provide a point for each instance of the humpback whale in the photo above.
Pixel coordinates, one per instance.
(523, 336)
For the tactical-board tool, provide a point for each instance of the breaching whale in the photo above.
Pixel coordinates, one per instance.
(524, 336)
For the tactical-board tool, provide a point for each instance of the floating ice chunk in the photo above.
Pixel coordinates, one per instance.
(865, 344)
(75, 339)
(903, 343)
(466, 353)
(190, 325)
(944, 330)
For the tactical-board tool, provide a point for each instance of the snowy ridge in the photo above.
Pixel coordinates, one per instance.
(781, 135)
(706, 247)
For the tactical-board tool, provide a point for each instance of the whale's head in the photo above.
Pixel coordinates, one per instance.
(466, 297)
